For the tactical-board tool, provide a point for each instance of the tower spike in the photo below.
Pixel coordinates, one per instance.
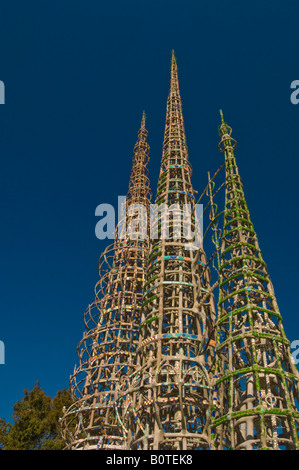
(221, 115)
(174, 65)
(257, 383)
(170, 391)
(107, 351)
(174, 80)
(143, 119)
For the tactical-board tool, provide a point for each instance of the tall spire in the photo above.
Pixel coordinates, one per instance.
(169, 393)
(174, 134)
(221, 116)
(257, 383)
(107, 352)
(174, 81)
(143, 119)
(139, 192)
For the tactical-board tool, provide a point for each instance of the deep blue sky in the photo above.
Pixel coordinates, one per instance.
(78, 75)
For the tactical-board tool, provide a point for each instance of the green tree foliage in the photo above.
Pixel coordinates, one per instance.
(36, 421)
(4, 429)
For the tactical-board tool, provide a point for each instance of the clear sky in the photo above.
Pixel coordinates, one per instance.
(77, 76)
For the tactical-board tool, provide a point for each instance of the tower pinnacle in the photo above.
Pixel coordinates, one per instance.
(143, 119)
(174, 66)
(221, 115)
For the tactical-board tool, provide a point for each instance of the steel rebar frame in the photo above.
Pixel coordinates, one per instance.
(107, 352)
(256, 385)
(166, 404)
(149, 375)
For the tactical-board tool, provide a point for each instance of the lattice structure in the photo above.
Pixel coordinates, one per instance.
(257, 382)
(167, 401)
(107, 351)
(149, 375)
